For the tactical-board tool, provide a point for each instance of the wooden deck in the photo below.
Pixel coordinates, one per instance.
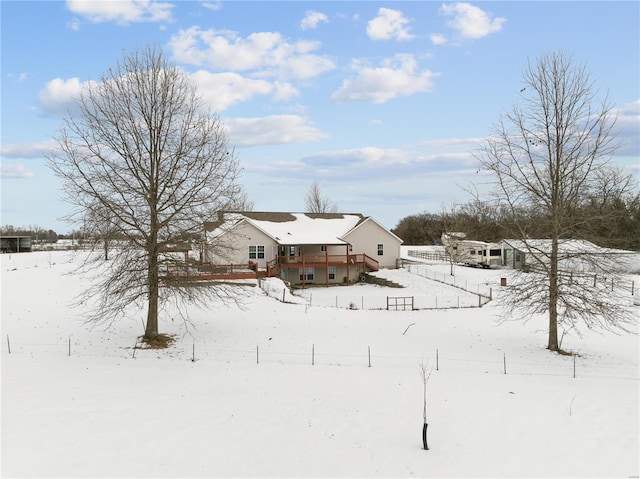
(225, 272)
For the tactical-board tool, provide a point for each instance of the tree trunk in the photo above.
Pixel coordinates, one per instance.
(553, 297)
(151, 330)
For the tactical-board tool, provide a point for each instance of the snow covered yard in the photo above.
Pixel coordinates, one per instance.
(285, 390)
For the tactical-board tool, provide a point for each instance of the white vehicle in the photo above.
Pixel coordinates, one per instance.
(479, 254)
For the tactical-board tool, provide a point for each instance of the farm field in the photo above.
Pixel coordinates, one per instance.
(305, 389)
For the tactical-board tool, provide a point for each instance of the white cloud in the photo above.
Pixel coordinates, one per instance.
(122, 12)
(272, 130)
(15, 171)
(221, 90)
(266, 53)
(26, 150)
(398, 76)
(389, 25)
(471, 21)
(628, 128)
(59, 95)
(312, 19)
(370, 164)
(212, 5)
(18, 78)
(74, 24)
(438, 39)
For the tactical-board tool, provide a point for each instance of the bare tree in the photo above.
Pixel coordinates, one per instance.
(548, 155)
(425, 374)
(316, 203)
(100, 224)
(145, 152)
(453, 237)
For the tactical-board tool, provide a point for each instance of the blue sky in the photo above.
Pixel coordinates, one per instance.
(382, 103)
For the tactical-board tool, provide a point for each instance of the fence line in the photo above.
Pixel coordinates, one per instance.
(483, 291)
(380, 302)
(315, 354)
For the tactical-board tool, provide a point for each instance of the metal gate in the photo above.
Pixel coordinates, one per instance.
(399, 303)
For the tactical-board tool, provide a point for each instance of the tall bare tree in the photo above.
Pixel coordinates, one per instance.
(145, 151)
(453, 236)
(548, 155)
(316, 203)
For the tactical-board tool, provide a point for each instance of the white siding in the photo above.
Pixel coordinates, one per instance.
(240, 238)
(366, 237)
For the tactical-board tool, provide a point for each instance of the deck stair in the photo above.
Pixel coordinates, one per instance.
(371, 279)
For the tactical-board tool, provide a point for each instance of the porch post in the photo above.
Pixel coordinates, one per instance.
(326, 265)
(186, 262)
(347, 246)
(304, 270)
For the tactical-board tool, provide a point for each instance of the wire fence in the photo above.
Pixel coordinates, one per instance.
(471, 295)
(322, 355)
(395, 303)
(483, 290)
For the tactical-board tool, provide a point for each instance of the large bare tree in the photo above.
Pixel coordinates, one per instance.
(143, 151)
(548, 155)
(316, 203)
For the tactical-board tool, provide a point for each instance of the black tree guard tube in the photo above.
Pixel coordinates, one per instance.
(424, 437)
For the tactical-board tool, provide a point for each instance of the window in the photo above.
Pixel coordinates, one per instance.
(332, 272)
(380, 249)
(323, 248)
(306, 274)
(256, 252)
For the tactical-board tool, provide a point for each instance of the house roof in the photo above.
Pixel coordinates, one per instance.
(565, 246)
(292, 228)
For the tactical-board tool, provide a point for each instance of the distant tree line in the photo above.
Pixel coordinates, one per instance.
(609, 222)
(36, 233)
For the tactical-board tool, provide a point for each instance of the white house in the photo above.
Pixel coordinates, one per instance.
(302, 248)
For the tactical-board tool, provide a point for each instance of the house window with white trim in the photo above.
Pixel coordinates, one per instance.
(256, 252)
(332, 272)
(380, 249)
(306, 274)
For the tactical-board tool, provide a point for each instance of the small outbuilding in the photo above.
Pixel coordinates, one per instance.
(15, 244)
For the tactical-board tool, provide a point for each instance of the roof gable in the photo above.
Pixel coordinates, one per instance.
(369, 219)
(293, 228)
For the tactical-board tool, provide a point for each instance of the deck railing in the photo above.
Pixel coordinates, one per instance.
(321, 260)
